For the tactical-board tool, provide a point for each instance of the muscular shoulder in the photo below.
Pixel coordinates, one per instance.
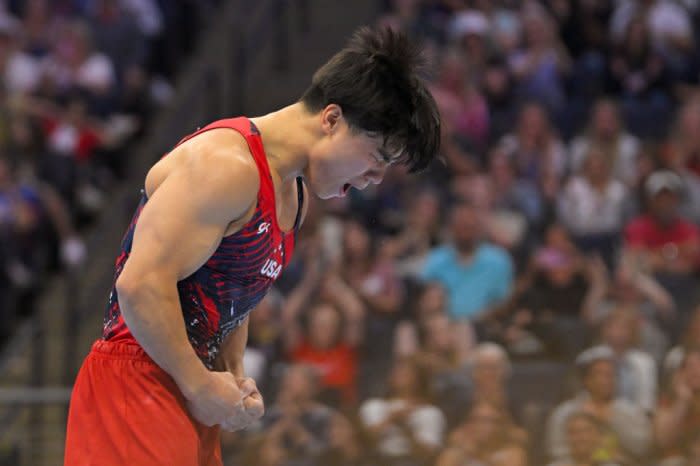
(219, 173)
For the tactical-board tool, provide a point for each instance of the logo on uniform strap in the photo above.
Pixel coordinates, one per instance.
(263, 228)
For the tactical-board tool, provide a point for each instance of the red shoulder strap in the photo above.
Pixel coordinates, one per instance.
(252, 136)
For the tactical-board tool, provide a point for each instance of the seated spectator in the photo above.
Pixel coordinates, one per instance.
(678, 414)
(549, 304)
(444, 350)
(685, 140)
(486, 437)
(499, 91)
(641, 294)
(538, 153)
(462, 107)
(626, 421)
(470, 32)
(344, 447)
(594, 206)
(681, 153)
(20, 71)
(476, 275)
(74, 64)
(638, 74)
(663, 242)
(511, 193)
(636, 370)
(689, 339)
(669, 25)
(332, 332)
(35, 225)
(590, 443)
(606, 132)
(541, 67)
(369, 270)
(420, 232)
(117, 35)
(296, 426)
(405, 428)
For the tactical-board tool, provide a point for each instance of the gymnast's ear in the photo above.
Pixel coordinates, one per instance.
(331, 118)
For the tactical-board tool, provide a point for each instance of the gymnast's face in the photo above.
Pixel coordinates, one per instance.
(343, 157)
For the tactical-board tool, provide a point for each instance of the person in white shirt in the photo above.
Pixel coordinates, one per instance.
(405, 427)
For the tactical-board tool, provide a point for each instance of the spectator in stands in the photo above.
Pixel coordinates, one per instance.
(117, 35)
(36, 21)
(462, 108)
(628, 422)
(443, 346)
(682, 155)
(639, 292)
(469, 32)
(513, 194)
(594, 206)
(368, 268)
(405, 428)
(487, 437)
(34, 224)
(75, 64)
(331, 335)
(662, 241)
(638, 74)
(636, 370)
(606, 131)
(541, 67)
(538, 153)
(669, 26)
(421, 231)
(344, 447)
(296, 425)
(490, 369)
(549, 303)
(499, 90)
(685, 140)
(590, 442)
(444, 349)
(20, 71)
(476, 275)
(689, 339)
(678, 413)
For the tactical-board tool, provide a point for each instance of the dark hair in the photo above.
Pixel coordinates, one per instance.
(375, 80)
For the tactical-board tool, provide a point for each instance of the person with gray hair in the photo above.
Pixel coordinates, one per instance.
(627, 421)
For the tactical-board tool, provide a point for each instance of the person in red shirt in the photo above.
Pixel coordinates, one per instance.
(331, 335)
(661, 241)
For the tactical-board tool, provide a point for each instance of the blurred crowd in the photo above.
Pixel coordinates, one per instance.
(532, 298)
(78, 81)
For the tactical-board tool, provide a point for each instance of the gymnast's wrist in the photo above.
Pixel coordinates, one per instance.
(193, 379)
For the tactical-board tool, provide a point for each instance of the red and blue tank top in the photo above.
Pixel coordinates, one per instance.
(219, 295)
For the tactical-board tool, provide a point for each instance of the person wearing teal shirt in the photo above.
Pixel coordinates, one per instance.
(476, 275)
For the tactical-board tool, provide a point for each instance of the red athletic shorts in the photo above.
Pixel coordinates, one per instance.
(126, 411)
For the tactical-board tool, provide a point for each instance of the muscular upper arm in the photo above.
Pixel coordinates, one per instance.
(186, 217)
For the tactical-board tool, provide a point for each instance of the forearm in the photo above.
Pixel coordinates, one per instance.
(153, 314)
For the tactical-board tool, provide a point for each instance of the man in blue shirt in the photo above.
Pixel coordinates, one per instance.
(476, 275)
